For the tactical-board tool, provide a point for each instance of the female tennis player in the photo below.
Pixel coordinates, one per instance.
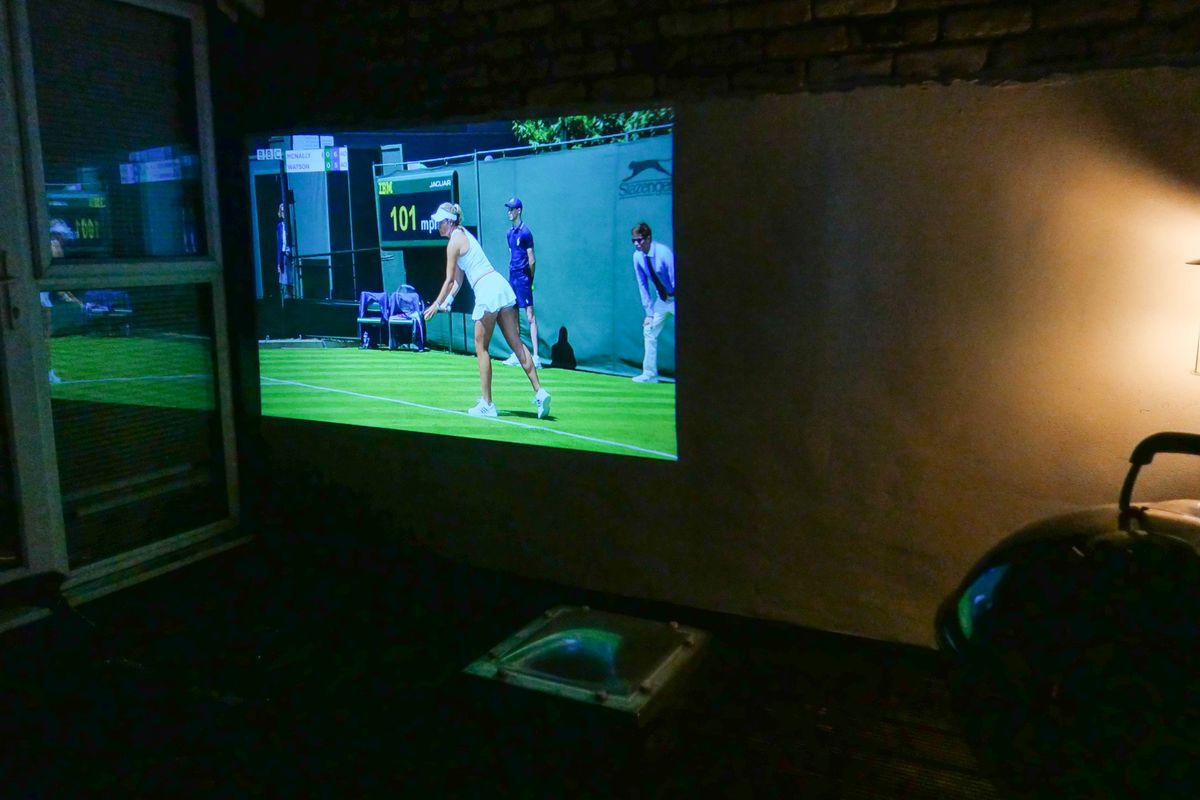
(494, 301)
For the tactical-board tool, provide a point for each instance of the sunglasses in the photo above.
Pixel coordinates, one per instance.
(639, 239)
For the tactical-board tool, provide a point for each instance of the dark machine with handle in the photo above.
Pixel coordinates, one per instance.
(1074, 648)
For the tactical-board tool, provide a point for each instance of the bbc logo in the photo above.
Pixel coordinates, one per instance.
(269, 153)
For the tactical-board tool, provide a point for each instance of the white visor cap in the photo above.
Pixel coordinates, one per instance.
(442, 214)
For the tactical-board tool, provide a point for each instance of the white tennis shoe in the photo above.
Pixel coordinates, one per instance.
(483, 409)
(542, 401)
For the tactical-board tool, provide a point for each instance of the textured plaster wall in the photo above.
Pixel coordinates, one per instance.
(968, 304)
(911, 319)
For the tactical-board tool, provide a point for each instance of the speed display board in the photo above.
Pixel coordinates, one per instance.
(79, 223)
(406, 201)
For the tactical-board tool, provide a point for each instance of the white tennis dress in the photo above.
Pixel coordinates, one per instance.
(492, 291)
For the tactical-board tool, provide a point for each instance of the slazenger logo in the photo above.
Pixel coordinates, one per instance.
(658, 181)
(442, 184)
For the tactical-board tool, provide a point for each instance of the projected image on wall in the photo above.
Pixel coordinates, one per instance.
(511, 281)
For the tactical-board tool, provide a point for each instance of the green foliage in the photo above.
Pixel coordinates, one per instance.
(555, 130)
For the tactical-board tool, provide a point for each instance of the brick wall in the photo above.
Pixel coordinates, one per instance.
(360, 59)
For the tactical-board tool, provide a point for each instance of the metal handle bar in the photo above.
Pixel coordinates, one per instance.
(1148, 448)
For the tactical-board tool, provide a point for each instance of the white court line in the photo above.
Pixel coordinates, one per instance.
(68, 382)
(527, 426)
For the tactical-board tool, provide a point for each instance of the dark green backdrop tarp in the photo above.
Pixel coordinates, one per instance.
(580, 205)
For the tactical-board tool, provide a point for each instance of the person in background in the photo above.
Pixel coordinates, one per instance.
(654, 268)
(283, 257)
(494, 302)
(59, 232)
(48, 299)
(520, 273)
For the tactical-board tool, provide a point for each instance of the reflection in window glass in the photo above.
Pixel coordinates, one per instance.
(136, 426)
(10, 545)
(117, 120)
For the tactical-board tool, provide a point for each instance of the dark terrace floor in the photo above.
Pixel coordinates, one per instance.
(251, 676)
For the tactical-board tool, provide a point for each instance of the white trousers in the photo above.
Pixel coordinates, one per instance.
(651, 327)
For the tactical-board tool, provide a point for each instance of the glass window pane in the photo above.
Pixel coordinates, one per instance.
(136, 425)
(117, 120)
(10, 545)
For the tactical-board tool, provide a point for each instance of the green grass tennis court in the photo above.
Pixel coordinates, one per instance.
(431, 392)
(162, 370)
(401, 390)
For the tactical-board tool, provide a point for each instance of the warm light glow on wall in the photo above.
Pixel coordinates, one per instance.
(1162, 226)
(1114, 290)
(1088, 337)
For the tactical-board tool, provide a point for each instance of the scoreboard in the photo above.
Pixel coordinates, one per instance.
(79, 221)
(405, 201)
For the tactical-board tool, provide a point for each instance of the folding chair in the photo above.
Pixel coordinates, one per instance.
(405, 307)
(372, 308)
(107, 310)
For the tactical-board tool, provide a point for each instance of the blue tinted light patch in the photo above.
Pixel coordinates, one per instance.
(978, 597)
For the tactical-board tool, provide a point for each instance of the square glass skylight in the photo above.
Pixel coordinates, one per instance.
(624, 663)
